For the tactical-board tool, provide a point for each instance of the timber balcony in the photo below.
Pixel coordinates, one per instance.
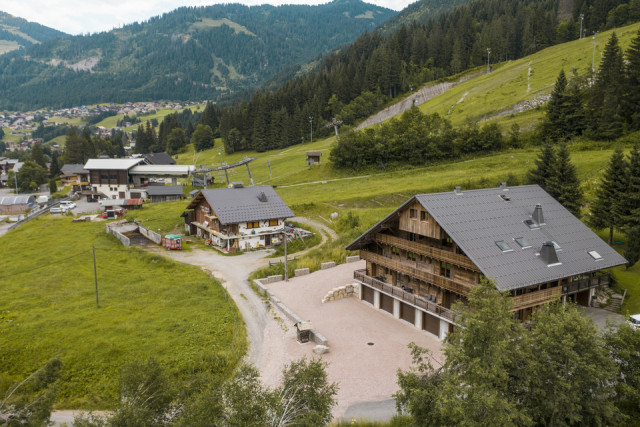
(535, 298)
(431, 252)
(402, 295)
(458, 287)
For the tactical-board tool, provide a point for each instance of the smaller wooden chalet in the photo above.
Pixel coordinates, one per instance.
(75, 175)
(435, 248)
(238, 218)
(313, 157)
(165, 193)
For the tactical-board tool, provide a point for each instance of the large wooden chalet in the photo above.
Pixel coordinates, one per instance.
(432, 250)
(238, 218)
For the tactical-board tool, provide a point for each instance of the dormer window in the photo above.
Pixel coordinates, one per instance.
(504, 246)
(522, 242)
(595, 255)
(531, 224)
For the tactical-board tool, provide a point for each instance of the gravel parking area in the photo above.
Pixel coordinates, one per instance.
(367, 346)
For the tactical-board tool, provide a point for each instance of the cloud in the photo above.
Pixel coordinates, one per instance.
(82, 16)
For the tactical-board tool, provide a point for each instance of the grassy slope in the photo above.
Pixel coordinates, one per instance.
(149, 307)
(112, 121)
(488, 94)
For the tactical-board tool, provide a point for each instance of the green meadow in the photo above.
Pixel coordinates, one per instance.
(150, 306)
(112, 121)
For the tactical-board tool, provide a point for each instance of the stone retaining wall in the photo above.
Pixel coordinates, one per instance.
(301, 272)
(151, 235)
(327, 265)
(341, 292)
(354, 258)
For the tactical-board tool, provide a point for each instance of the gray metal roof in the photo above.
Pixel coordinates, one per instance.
(24, 199)
(477, 219)
(159, 158)
(73, 169)
(112, 164)
(234, 205)
(164, 190)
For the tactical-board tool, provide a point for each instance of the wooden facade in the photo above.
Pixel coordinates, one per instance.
(412, 260)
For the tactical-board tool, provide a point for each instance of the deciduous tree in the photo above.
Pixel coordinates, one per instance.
(202, 137)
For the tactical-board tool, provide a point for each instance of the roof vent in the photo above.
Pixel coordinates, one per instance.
(456, 190)
(505, 197)
(262, 197)
(237, 184)
(503, 185)
(537, 214)
(549, 255)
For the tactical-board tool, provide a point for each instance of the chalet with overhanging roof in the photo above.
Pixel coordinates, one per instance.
(238, 218)
(435, 248)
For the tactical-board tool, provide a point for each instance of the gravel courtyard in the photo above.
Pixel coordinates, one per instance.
(367, 346)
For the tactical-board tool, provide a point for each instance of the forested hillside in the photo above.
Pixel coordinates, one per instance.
(190, 53)
(358, 80)
(17, 32)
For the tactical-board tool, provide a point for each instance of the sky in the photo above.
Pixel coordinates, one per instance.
(91, 16)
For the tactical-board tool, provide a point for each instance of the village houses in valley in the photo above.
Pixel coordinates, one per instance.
(431, 251)
(238, 218)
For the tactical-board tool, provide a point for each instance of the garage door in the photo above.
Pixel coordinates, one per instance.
(407, 313)
(386, 303)
(431, 323)
(367, 294)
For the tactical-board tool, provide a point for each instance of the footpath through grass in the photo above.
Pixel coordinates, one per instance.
(150, 306)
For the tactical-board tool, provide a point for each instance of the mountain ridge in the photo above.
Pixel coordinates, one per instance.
(16, 33)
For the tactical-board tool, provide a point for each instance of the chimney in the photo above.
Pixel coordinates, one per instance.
(456, 190)
(537, 214)
(548, 254)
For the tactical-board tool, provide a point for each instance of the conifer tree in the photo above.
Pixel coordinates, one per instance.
(607, 209)
(54, 169)
(631, 213)
(606, 93)
(632, 251)
(544, 166)
(632, 83)
(563, 184)
(556, 113)
(37, 155)
(74, 147)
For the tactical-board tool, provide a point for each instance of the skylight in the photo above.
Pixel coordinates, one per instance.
(595, 255)
(531, 224)
(504, 247)
(523, 242)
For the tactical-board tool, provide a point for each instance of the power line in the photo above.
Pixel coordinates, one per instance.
(39, 267)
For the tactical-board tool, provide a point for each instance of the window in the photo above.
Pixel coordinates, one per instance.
(411, 256)
(445, 269)
(448, 242)
(253, 224)
(595, 255)
(523, 242)
(273, 222)
(412, 237)
(425, 259)
(423, 216)
(412, 213)
(504, 247)
(531, 224)
(395, 250)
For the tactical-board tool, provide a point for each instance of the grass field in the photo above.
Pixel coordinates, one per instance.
(512, 82)
(76, 121)
(112, 121)
(149, 307)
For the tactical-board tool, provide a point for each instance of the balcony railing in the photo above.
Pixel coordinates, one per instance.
(431, 252)
(408, 297)
(535, 298)
(587, 283)
(404, 268)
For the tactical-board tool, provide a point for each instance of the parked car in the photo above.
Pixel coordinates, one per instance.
(67, 205)
(634, 321)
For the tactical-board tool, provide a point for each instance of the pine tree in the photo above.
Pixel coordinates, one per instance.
(606, 94)
(632, 251)
(607, 209)
(53, 186)
(54, 169)
(555, 128)
(37, 155)
(74, 147)
(544, 166)
(631, 212)
(632, 83)
(563, 184)
(142, 142)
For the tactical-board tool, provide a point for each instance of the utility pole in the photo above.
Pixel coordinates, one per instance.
(286, 266)
(220, 153)
(15, 178)
(581, 19)
(311, 124)
(95, 275)
(593, 61)
(269, 166)
(488, 62)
